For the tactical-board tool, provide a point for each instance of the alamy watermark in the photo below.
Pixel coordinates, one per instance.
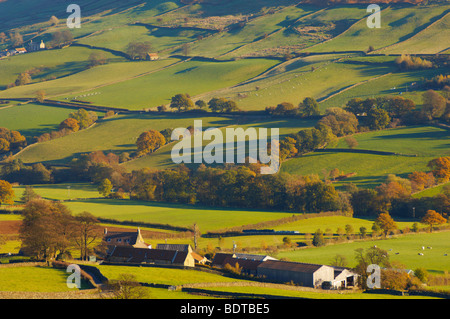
(74, 20)
(374, 20)
(235, 153)
(74, 280)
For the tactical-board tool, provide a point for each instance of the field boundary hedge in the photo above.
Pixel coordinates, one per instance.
(361, 151)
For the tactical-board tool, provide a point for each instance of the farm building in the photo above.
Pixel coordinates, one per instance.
(179, 247)
(21, 50)
(309, 275)
(152, 57)
(131, 239)
(186, 248)
(344, 278)
(247, 262)
(33, 46)
(124, 254)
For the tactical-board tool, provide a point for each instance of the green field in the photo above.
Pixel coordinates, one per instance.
(412, 140)
(295, 80)
(371, 170)
(408, 248)
(399, 23)
(36, 279)
(32, 119)
(50, 64)
(61, 192)
(208, 219)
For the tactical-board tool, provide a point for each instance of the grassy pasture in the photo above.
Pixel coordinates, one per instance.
(160, 39)
(207, 218)
(296, 80)
(35, 279)
(52, 64)
(165, 276)
(222, 44)
(88, 80)
(431, 40)
(371, 170)
(32, 119)
(303, 31)
(117, 134)
(162, 157)
(425, 141)
(193, 77)
(408, 248)
(397, 83)
(420, 140)
(61, 192)
(398, 24)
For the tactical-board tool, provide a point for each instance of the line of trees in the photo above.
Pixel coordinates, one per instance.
(50, 231)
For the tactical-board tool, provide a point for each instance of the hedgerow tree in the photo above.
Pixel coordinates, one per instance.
(6, 193)
(70, 124)
(105, 187)
(181, 101)
(149, 141)
(432, 218)
(309, 107)
(84, 118)
(385, 223)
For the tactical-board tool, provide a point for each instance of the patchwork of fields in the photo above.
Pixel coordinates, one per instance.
(256, 53)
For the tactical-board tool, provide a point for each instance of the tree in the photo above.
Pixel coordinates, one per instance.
(54, 21)
(149, 141)
(16, 39)
(371, 256)
(385, 223)
(3, 37)
(421, 274)
(40, 96)
(186, 49)
(434, 104)
(339, 261)
(46, 230)
(29, 194)
(126, 286)
(69, 124)
(6, 193)
(340, 121)
(432, 218)
(181, 101)
(4, 145)
(309, 107)
(378, 119)
(84, 118)
(61, 39)
(363, 231)
(138, 50)
(86, 232)
(23, 79)
(366, 202)
(200, 104)
(318, 239)
(222, 105)
(351, 142)
(440, 168)
(97, 58)
(105, 187)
